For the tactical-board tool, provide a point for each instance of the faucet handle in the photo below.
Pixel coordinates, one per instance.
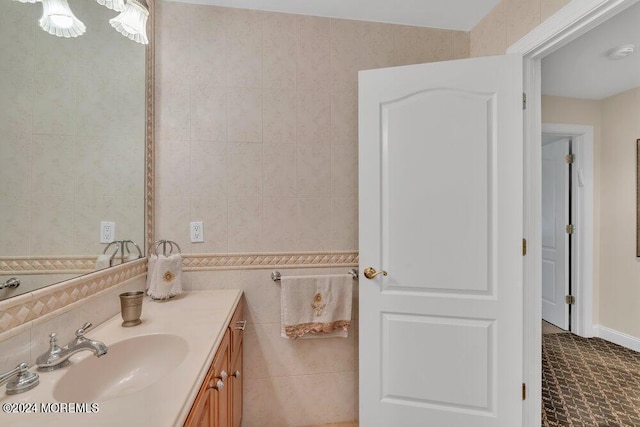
(80, 332)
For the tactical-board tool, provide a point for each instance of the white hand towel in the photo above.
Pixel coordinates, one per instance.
(166, 278)
(316, 306)
(151, 269)
(103, 261)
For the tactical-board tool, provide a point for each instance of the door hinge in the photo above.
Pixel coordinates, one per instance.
(524, 101)
(524, 247)
(570, 299)
(571, 229)
(524, 391)
(570, 158)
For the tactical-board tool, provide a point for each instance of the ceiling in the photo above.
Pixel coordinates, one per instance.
(581, 69)
(448, 14)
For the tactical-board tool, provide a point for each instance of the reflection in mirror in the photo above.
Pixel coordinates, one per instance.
(72, 137)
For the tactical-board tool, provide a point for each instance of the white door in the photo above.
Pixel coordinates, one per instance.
(555, 240)
(440, 161)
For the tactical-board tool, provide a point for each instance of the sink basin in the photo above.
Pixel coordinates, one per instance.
(129, 366)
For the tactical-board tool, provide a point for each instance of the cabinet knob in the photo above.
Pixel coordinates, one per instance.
(242, 325)
(219, 385)
(236, 374)
(224, 376)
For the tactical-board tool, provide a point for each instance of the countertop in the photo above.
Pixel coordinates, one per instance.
(200, 317)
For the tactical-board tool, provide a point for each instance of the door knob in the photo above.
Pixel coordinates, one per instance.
(371, 272)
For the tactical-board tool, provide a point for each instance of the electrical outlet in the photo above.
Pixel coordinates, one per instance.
(197, 232)
(107, 232)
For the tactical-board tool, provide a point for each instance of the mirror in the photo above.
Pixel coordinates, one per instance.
(73, 140)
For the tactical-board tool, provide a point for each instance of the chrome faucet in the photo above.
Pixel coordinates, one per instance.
(19, 379)
(58, 357)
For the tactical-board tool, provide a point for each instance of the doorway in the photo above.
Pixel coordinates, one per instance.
(557, 230)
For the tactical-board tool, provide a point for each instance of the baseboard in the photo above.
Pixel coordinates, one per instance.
(617, 337)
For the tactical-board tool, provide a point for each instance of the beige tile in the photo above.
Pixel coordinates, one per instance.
(130, 114)
(279, 46)
(279, 170)
(208, 44)
(295, 357)
(244, 172)
(244, 115)
(314, 170)
(461, 44)
(88, 212)
(279, 107)
(410, 45)
(212, 211)
(280, 219)
(17, 52)
(173, 109)
(549, 7)
(344, 114)
(344, 223)
(96, 114)
(173, 42)
(522, 16)
(95, 171)
(16, 103)
(261, 293)
(347, 39)
(344, 169)
(378, 48)
(52, 164)
(208, 112)
(244, 48)
(208, 169)
(55, 55)
(313, 115)
(205, 280)
(314, 224)
(14, 351)
(15, 230)
(52, 228)
(245, 223)
(128, 215)
(55, 111)
(15, 163)
(318, 399)
(173, 160)
(172, 220)
(314, 52)
(489, 36)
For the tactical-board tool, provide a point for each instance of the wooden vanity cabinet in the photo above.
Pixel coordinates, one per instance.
(219, 401)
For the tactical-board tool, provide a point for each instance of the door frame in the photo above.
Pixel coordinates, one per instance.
(582, 209)
(575, 19)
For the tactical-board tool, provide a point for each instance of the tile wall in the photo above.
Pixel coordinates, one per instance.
(257, 136)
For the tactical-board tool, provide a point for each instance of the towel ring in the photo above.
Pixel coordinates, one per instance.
(155, 245)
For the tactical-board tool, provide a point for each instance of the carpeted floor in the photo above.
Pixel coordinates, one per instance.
(589, 383)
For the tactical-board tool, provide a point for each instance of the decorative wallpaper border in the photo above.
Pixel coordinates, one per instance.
(199, 262)
(22, 309)
(44, 265)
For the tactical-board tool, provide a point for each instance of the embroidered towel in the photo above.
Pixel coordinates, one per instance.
(316, 306)
(164, 277)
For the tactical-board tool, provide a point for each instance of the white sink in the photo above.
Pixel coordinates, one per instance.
(129, 366)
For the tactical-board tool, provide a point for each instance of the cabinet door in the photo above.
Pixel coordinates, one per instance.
(221, 390)
(200, 415)
(237, 374)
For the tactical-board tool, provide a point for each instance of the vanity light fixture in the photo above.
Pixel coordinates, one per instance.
(132, 22)
(58, 19)
(117, 5)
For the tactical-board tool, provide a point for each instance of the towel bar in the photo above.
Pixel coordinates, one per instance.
(276, 276)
